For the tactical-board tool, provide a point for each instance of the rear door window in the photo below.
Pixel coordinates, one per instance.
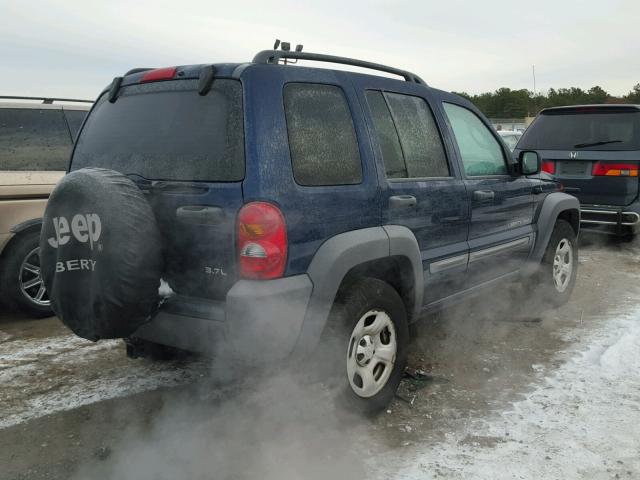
(166, 131)
(74, 120)
(387, 134)
(322, 138)
(408, 136)
(591, 129)
(480, 151)
(33, 139)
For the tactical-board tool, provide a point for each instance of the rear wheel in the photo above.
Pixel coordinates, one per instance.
(368, 337)
(21, 284)
(559, 266)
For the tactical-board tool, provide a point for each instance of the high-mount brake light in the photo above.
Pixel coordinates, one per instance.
(262, 241)
(159, 74)
(549, 166)
(610, 169)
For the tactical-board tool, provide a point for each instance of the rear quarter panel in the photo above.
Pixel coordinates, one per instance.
(23, 197)
(312, 213)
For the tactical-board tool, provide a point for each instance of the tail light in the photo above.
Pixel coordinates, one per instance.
(159, 74)
(608, 169)
(262, 241)
(549, 166)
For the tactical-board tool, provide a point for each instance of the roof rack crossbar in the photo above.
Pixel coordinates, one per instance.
(273, 56)
(46, 100)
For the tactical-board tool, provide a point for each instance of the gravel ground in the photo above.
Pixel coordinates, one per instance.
(507, 390)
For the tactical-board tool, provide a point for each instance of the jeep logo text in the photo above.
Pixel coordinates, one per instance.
(84, 228)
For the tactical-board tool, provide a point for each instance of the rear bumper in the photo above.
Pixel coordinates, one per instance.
(260, 321)
(604, 216)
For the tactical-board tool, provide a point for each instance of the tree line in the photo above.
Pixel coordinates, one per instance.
(507, 103)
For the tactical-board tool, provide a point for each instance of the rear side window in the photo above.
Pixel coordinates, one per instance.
(394, 163)
(166, 131)
(33, 139)
(322, 138)
(408, 136)
(591, 129)
(480, 151)
(74, 120)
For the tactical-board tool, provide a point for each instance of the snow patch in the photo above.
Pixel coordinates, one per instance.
(48, 375)
(580, 423)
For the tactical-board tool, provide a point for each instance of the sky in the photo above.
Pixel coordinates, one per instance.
(71, 48)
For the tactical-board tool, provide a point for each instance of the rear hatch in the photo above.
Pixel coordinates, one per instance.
(186, 152)
(594, 151)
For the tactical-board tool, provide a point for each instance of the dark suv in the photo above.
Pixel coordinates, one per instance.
(282, 209)
(594, 151)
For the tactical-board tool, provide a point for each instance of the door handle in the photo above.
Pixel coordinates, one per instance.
(484, 195)
(402, 201)
(200, 214)
(537, 189)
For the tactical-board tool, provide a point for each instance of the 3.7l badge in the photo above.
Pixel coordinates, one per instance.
(215, 271)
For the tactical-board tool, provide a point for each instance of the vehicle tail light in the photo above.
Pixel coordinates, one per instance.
(549, 166)
(609, 169)
(159, 74)
(262, 241)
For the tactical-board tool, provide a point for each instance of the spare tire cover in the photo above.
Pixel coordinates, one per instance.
(100, 254)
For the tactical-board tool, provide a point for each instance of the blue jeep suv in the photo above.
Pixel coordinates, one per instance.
(258, 211)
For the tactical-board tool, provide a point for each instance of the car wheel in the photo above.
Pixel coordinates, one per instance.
(369, 336)
(559, 266)
(21, 284)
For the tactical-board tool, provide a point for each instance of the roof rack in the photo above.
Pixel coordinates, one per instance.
(46, 100)
(274, 56)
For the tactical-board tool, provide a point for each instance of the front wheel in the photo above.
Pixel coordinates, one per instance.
(369, 334)
(559, 266)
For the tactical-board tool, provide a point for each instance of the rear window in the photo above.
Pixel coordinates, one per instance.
(167, 131)
(592, 130)
(322, 138)
(33, 139)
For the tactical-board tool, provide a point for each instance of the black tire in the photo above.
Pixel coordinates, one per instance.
(11, 275)
(352, 304)
(101, 254)
(550, 292)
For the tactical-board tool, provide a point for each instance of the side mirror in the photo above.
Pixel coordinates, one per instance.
(529, 163)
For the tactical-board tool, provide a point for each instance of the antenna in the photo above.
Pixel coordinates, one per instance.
(534, 79)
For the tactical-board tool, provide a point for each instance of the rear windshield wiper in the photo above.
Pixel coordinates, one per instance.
(595, 144)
